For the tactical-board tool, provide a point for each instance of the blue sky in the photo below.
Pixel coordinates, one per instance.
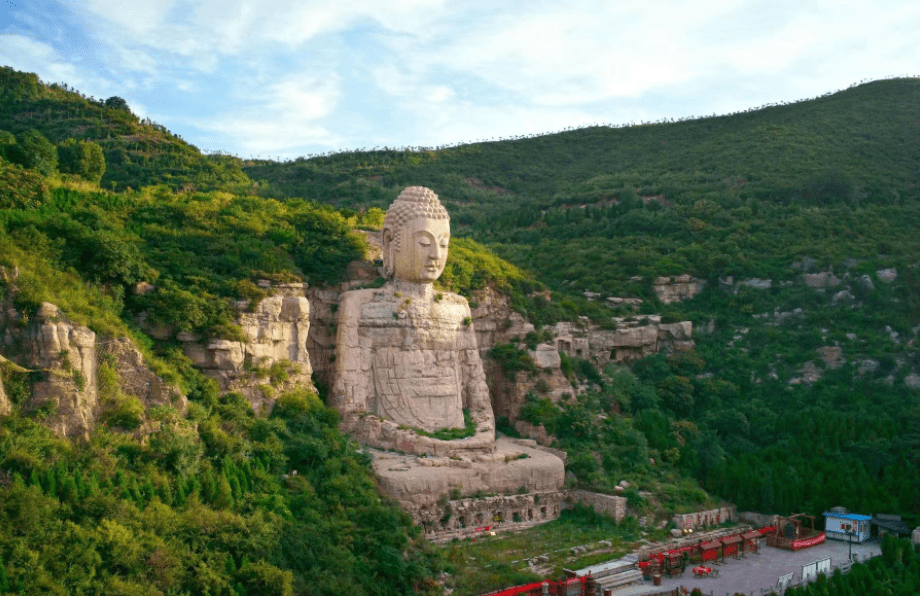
(282, 79)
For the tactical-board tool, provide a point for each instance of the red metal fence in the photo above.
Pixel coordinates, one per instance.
(567, 587)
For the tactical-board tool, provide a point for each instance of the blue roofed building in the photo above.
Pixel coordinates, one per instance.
(837, 525)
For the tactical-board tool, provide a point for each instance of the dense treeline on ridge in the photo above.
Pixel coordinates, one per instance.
(210, 505)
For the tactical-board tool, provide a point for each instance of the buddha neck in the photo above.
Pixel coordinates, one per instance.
(411, 289)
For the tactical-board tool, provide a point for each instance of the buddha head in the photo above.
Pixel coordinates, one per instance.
(416, 234)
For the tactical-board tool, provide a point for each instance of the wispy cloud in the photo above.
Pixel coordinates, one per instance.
(286, 115)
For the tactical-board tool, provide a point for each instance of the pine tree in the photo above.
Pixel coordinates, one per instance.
(246, 479)
(208, 488)
(4, 580)
(148, 491)
(223, 497)
(135, 493)
(235, 488)
(181, 492)
(69, 491)
(80, 486)
(50, 484)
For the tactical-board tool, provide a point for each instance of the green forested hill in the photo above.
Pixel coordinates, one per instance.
(137, 153)
(859, 145)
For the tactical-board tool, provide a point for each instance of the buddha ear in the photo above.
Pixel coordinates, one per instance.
(388, 244)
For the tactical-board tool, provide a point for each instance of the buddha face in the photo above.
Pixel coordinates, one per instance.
(422, 251)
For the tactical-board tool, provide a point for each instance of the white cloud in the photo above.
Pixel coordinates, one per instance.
(585, 52)
(287, 115)
(137, 19)
(204, 30)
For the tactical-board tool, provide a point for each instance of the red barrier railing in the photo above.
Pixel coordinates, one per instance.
(556, 588)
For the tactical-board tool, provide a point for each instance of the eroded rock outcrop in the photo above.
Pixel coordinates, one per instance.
(63, 360)
(629, 339)
(5, 406)
(822, 280)
(494, 320)
(66, 355)
(274, 356)
(680, 287)
(509, 391)
(135, 378)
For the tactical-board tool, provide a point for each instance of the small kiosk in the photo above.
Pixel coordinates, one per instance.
(730, 546)
(847, 526)
(751, 541)
(709, 551)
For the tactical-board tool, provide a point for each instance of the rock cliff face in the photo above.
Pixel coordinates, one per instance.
(66, 353)
(629, 339)
(5, 406)
(509, 393)
(63, 360)
(675, 289)
(136, 379)
(324, 304)
(494, 321)
(273, 358)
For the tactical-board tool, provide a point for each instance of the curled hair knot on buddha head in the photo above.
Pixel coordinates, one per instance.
(412, 203)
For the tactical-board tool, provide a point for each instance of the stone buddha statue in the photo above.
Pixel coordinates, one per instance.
(407, 366)
(406, 355)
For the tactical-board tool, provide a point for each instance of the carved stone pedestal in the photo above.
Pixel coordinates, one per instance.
(508, 483)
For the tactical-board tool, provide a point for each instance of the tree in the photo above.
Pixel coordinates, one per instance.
(117, 103)
(7, 140)
(84, 158)
(32, 150)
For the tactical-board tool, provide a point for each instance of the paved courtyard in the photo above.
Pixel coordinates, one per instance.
(757, 573)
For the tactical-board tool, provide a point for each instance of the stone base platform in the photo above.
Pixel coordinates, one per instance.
(511, 513)
(426, 487)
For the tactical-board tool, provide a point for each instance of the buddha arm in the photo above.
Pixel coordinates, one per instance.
(353, 361)
(475, 391)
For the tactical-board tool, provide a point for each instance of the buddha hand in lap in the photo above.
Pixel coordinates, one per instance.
(406, 354)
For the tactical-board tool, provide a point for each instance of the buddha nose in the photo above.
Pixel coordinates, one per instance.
(435, 252)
